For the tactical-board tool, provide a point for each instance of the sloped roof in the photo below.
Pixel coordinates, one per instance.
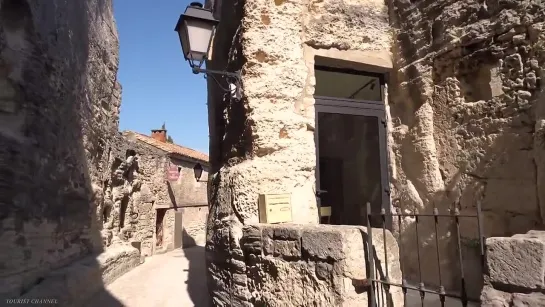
(169, 147)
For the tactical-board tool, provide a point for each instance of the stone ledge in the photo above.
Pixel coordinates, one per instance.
(491, 297)
(517, 261)
(516, 271)
(332, 256)
(76, 283)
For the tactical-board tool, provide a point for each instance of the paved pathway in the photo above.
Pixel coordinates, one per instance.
(173, 279)
(178, 278)
(431, 300)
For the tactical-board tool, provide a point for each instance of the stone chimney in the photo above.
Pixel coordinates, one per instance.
(159, 134)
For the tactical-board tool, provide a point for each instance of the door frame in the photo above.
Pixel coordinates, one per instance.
(362, 108)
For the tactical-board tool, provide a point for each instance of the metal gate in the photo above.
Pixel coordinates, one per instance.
(380, 285)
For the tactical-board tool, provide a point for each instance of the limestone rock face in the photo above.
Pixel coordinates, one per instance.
(59, 107)
(466, 104)
(265, 143)
(464, 116)
(466, 110)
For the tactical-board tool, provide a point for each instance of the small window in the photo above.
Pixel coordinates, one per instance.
(349, 84)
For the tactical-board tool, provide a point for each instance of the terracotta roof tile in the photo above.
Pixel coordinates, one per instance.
(169, 147)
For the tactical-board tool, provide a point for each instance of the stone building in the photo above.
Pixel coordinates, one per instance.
(151, 197)
(413, 105)
(172, 212)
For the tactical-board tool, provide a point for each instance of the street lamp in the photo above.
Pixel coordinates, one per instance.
(197, 170)
(195, 28)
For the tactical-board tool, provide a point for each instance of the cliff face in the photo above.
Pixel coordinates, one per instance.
(59, 110)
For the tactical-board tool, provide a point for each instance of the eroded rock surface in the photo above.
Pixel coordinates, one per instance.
(464, 104)
(515, 270)
(466, 109)
(59, 113)
(310, 265)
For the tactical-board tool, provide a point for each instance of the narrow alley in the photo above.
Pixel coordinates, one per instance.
(172, 279)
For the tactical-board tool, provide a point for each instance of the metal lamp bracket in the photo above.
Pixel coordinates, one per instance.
(232, 78)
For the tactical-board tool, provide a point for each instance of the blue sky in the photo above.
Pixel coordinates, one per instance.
(158, 85)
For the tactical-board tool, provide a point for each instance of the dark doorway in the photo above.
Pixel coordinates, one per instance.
(351, 146)
(350, 171)
(159, 226)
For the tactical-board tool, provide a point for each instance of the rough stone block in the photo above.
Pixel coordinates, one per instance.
(491, 297)
(268, 245)
(287, 233)
(267, 231)
(323, 270)
(322, 243)
(252, 232)
(252, 247)
(238, 266)
(531, 299)
(517, 261)
(287, 248)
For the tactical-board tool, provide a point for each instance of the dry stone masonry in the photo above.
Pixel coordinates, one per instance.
(307, 265)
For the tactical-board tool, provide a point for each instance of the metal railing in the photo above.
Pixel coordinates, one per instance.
(380, 286)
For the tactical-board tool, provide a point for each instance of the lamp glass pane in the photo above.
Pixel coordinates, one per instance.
(199, 33)
(184, 41)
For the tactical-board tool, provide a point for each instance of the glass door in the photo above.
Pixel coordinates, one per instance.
(351, 161)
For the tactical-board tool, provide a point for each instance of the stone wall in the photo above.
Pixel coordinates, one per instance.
(265, 143)
(134, 185)
(307, 265)
(137, 188)
(59, 107)
(464, 112)
(465, 103)
(194, 225)
(515, 271)
(464, 106)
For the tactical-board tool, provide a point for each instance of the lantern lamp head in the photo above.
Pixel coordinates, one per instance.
(197, 170)
(195, 29)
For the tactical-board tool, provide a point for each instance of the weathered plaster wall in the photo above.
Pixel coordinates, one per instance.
(187, 191)
(59, 106)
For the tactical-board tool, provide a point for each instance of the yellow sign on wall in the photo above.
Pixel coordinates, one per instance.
(275, 208)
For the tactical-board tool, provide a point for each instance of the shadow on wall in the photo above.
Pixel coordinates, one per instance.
(196, 273)
(48, 237)
(171, 195)
(489, 145)
(498, 219)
